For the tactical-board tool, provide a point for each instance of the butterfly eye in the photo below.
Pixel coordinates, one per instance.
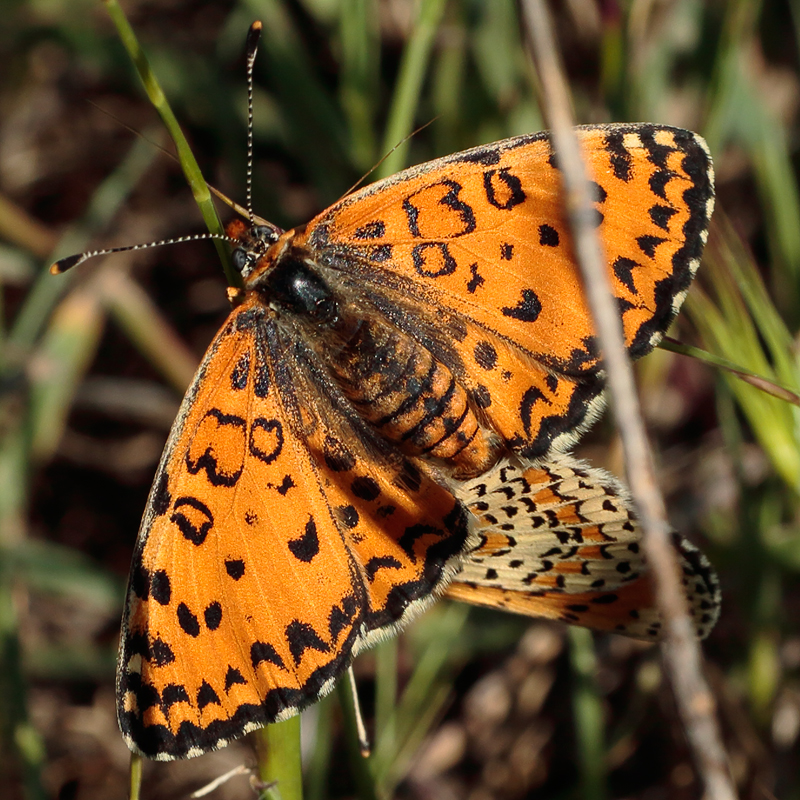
(264, 234)
(240, 259)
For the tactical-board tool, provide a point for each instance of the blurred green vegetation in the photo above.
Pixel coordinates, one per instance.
(85, 359)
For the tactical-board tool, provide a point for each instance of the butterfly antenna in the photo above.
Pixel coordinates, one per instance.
(251, 47)
(386, 155)
(364, 744)
(63, 264)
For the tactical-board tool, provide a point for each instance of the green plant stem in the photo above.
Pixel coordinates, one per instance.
(189, 164)
(135, 773)
(754, 379)
(279, 760)
(588, 713)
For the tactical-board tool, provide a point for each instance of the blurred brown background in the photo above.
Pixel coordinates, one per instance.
(94, 364)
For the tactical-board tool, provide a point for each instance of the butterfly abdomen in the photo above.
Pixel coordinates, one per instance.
(411, 398)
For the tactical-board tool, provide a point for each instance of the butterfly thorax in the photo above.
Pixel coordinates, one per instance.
(397, 385)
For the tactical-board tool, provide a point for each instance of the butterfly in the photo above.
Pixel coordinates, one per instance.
(384, 417)
(559, 539)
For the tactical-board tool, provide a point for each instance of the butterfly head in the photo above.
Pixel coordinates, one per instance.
(252, 243)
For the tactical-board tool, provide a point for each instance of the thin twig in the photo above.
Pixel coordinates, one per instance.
(681, 649)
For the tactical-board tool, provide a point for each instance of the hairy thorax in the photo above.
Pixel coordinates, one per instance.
(398, 386)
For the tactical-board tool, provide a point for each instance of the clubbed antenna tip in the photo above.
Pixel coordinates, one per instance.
(63, 264)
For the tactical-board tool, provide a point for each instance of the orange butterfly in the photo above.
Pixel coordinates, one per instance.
(384, 416)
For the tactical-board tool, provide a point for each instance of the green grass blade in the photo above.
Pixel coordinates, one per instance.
(759, 381)
(279, 760)
(188, 163)
(405, 100)
(587, 709)
(67, 349)
(360, 69)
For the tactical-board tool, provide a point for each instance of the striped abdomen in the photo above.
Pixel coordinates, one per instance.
(411, 398)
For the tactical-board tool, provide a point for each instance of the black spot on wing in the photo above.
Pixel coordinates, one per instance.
(241, 372)
(193, 519)
(485, 355)
(261, 386)
(147, 696)
(348, 516)
(286, 484)
(648, 244)
(372, 230)
(206, 696)
(380, 253)
(623, 269)
(621, 160)
(140, 580)
(503, 188)
(301, 637)
(161, 499)
(656, 153)
(208, 460)
(160, 587)
(365, 488)
(658, 182)
(506, 251)
(341, 616)
(264, 651)
(605, 599)
(233, 677)
(174, 693)
(213, 615)
(482, 396)
(527, 308)
(306, 547)
(475, 280)
(266, 439)
(433, 259)
(380, 562)
(532, 396)
(600, 194)
(160, 653)
(235, 568)
(661, 215)
(188, 621)
(548, 236)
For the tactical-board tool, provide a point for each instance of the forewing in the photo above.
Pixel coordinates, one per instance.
(560, 540)
(270, 551)
(478, 240)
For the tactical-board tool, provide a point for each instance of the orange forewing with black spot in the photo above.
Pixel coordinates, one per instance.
(478, 242)
(273, 549)
(313, 493)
